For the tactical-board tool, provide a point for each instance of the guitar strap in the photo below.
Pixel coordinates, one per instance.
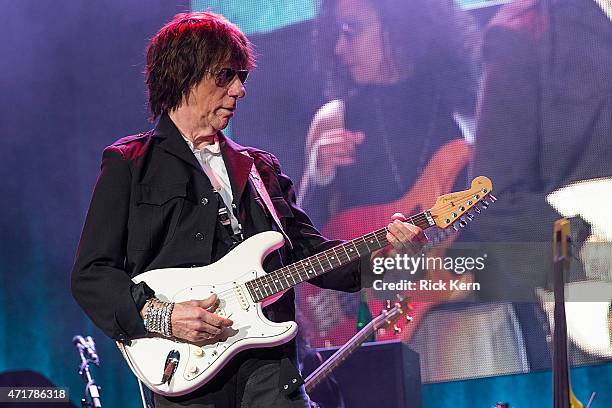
(265, 197)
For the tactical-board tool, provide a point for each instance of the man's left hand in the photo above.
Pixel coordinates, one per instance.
(406, 238)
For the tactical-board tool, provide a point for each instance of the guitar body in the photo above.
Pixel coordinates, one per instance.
(438, 177)
(227, 277)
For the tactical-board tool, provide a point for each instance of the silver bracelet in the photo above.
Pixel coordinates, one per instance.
(167, 330)
(158, 317)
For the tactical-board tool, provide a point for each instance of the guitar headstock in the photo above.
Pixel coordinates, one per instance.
(393, 312)
(455, 207)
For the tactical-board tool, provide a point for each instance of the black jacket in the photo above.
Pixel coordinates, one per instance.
(153, 207)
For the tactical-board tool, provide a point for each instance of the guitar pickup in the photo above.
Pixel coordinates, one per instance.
(244, 304)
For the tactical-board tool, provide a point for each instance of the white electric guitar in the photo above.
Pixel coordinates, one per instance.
(171, 367)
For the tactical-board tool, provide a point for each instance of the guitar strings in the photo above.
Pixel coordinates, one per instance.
(294, 271)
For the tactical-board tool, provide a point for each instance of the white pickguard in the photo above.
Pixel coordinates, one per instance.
(227, 277)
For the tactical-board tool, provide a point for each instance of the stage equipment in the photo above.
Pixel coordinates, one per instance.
(380, 374)
(87, 352)
(386, 318)
(563, 397)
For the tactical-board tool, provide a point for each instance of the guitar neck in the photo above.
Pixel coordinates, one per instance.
(347, 349)
(326, 261)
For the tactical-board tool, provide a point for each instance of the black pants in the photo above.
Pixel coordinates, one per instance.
(253, 379)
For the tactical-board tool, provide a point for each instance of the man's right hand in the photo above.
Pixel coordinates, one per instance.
(193, 320)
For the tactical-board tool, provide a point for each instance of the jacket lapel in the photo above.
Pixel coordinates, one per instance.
(238, 165)
(173, 143)
(237, 162)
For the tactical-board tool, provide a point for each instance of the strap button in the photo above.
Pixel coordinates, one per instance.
(198, 236)
(204, 200)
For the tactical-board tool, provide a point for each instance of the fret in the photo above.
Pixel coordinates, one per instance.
(299, 266)
(257, 290)
(307, 266)
(274, 281)
(320, 264)
(421, 221)
(339, 255)
(364, 242)
(328, 261)
(265, 279)
(383, 237)
(293, 277)
(355, 247)
(368, 241)
(297, 270)
(333, 258)
(363, 245)
(376, 236)
(263, 284)
(348, 256)
(278, 276)
(266, 287)
(249, 286)
(286, 283)
(287, 274)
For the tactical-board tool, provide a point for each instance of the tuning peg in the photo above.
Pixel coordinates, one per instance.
(455, 228)
(477, 210)
(388, 304)
(485, 204)
(462, 223)
(493, 198)
(469, 216)
(408, 318)
(396, 329)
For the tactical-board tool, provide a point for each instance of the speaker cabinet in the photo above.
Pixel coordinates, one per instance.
(379, 374)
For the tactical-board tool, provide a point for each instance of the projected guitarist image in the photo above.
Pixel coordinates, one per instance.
(402, 83)
(183, 223)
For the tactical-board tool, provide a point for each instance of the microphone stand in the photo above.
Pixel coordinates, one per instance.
(92, 391)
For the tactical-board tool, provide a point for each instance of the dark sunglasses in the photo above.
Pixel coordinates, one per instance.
(226, 75)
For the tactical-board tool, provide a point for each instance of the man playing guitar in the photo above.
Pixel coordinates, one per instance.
(183, 195)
